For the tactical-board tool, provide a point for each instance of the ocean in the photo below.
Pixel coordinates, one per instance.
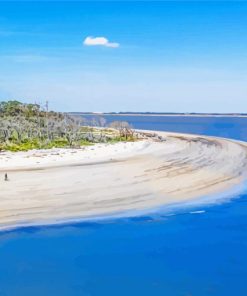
(197, 251)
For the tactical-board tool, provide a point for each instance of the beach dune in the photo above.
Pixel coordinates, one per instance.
(59, 185)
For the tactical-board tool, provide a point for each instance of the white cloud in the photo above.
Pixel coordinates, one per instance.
(99, 41)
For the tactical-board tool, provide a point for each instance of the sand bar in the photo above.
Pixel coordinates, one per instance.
(58, 185)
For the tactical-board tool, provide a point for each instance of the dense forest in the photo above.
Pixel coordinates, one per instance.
(30, 126)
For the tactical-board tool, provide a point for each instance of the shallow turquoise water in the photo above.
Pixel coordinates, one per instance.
(200, 251)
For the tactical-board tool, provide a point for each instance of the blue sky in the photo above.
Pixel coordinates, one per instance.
(154, 56)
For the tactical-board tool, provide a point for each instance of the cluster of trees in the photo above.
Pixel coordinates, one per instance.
(124, 128)
(25, 126)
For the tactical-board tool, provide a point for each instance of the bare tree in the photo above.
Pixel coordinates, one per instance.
(123, 127)
(5, 129)
(72, 129)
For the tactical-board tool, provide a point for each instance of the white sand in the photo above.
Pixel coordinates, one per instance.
(61, 184)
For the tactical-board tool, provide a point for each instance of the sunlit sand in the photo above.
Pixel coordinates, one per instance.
(59, 185)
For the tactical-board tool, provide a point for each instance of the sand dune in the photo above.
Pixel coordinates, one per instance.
(63, 184)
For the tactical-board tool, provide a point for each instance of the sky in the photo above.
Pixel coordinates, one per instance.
(125, 56)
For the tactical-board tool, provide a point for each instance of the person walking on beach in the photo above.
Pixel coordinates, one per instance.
(6, 177)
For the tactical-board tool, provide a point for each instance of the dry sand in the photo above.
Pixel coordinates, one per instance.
(58, 185)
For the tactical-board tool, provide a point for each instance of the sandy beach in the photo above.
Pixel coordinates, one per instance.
(58, 185)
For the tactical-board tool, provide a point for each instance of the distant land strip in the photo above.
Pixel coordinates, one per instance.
(161, 114)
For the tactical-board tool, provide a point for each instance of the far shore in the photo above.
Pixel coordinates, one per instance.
(160, 114)
(59, 185)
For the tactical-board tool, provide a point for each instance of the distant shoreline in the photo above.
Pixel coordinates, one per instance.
(159, 114)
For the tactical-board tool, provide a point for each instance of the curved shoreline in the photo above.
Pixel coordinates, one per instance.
(65, 185)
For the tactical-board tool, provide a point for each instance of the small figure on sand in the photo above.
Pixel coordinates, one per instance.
(6, 177)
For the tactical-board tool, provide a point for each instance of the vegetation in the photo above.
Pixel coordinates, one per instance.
(29, 126)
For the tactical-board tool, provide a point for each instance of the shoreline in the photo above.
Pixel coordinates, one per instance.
(52, 187)
(188, 207)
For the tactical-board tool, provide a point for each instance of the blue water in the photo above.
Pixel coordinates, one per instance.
(229, 127)
(188, 254)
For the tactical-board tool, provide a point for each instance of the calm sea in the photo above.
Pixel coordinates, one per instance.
(195, 252)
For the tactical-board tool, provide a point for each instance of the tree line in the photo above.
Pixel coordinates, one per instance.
(27, 126)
